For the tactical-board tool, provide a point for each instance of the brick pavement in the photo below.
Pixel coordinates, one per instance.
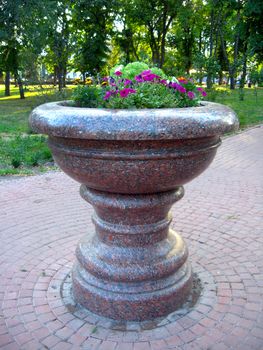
(42, 218)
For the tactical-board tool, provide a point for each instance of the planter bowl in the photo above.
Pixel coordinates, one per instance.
(133, 151)
(132, 165)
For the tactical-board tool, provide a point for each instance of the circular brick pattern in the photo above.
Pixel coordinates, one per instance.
(42, 218)
(197, 296)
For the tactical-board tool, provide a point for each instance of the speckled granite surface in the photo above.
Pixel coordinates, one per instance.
(132, 165)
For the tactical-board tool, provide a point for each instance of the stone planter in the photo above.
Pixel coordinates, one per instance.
(132, 165)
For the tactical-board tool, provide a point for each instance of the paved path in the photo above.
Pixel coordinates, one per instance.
(43, 217)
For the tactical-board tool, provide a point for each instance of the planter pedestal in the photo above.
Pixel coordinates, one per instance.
(134, 267)
(132, 165)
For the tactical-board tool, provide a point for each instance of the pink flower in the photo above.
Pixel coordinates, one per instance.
(118, 73)
(126, 92)
(191, 95)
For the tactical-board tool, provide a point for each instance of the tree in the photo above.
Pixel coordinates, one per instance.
(20, 29)
(157, 17)
(58, 44)
(93, 29)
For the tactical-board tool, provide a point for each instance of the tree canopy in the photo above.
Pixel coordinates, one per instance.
(212, 39)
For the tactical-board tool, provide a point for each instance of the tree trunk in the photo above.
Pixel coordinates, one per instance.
(64, 76)
(20, 85)
(232, 82)
(7, 83)
(60, 78)
(244, 73)
(232, 77)
(209, 82)
(220, 78)
(55, 75)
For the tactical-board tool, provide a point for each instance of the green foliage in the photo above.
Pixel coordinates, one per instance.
(92, 24)
(137, 86)
(87, 96)
(159, 71)
(21, 151)
(131, 69)
(148, 96)
(256, 76)
(249, 110)
(24, 151)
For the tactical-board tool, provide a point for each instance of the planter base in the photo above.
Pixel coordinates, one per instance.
(134, 268)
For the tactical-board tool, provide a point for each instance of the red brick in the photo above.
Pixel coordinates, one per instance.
(23, 338)
(35, 239)
(125, 346)
(5, 339)
(174, 341)
(64, 333)
(107, 345)
(158, 344)
(41, 333)
(50, 341)
(62, 346)
(11, 346)
(77, 339)
(142, 346)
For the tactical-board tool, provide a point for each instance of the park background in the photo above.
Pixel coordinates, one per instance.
(49, 47)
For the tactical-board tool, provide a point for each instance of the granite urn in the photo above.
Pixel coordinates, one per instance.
(132, 165)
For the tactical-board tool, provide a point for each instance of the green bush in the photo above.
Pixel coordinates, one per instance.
(86, 96)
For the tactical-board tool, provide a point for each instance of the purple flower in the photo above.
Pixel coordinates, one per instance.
(202, 91)
(118, 73)
(126, 92)
(163, 81)
(139, 78)
(173, 85)
(132, 91)
(127, 82)
(112, 81)
(146, 72)
(150, 77)
(146, 75)
(191, 95)
(180, 88)
(107, 95)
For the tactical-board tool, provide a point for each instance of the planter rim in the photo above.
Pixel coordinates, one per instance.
(60, 120)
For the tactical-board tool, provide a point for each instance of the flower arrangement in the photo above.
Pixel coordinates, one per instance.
(138, 86)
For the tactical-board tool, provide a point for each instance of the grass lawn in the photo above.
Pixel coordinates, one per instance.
(23, 153)
(249, 111)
